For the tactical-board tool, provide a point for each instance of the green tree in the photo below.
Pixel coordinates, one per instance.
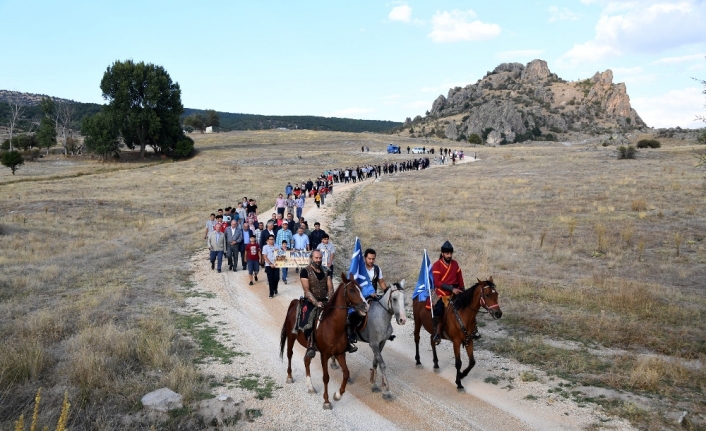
(475, 139)
(212, 118)
(184, 147)
(13, 160)
(145, 105)
(46, 134)
(101, 135)
(196, 121)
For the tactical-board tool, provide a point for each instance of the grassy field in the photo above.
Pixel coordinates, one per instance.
(93, 262)
(599, 263)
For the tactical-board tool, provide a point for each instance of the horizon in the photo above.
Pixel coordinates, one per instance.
(366, 61)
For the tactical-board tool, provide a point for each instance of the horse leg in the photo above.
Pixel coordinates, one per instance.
(346, 375)
(334, 365)
(417, 328)
(433, 351)
(309, 386)
(383, 372)
(290, 352)
(324, 363)
(373, 371)
(457, 355)
(471, 360)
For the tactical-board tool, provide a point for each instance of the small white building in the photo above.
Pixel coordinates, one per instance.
(209, 129)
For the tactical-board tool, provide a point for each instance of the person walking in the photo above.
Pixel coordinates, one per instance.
(281, 204)
(216, 246)
(233, 239)
(316, 235)
(253, 254)
(247, 234)
(326, 247)
(268, 253)
(299, 204)
(317, 198)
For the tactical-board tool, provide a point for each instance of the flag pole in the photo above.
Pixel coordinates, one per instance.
(428, 283)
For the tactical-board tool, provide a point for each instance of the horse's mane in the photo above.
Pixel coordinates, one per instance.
(465, 298)
(331, 300)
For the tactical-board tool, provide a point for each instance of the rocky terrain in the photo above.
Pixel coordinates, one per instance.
(515, 103)
(27, 99)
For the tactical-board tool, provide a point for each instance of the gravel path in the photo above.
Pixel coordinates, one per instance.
(250, 321)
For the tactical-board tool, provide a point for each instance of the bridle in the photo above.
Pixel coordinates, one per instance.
(345, 297)
(389, 299)
(490, 286)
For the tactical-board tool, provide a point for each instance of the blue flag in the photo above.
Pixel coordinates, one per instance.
(425, 282)
(360, 273)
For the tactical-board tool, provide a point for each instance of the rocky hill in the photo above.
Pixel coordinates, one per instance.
(27, 99)
(514, 103)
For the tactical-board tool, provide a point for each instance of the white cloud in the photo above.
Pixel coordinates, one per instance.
(682, 59)
(561, 14)
(349, 112)
(642, 27)
(401, 13)
(519, 54)
(456, 26)
(671, 109)
(628, 70)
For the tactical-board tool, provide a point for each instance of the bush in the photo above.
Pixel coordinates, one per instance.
(183, 148)
(648, 143)
(700, 140)
(475, 139)
(628, 152)
(13, 160)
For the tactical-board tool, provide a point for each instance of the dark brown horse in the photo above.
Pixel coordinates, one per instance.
(330, 335)
(459, 322)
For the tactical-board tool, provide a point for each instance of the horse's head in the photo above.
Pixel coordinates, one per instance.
(353, 294)
(489, 297)
(397, 302)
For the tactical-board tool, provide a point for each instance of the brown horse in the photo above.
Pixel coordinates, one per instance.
(459, 322)
(330, 335)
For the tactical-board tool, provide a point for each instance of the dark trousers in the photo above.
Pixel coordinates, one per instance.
(281, 211)
(272, 278)
(217, 255)
(232, 254)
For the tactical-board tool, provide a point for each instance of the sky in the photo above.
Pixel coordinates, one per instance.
(357, 59)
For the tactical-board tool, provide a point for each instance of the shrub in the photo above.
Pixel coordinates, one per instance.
(13, 160)
(183, 148)
(648, 143)
(626, 152)
(700, 140)
(475, 139)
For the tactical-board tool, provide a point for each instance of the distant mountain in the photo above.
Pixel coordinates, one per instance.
(515, 102)
(229, 121)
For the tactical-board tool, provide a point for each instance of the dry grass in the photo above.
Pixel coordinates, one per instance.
(92, 258)
(605, 273)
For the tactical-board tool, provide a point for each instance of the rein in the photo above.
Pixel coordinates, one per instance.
(467, 338)
(389, 300)
(345, 297)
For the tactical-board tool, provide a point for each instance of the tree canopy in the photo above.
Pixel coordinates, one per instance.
(101, 134)
(145, 105)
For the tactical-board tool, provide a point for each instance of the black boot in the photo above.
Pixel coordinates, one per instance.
(311, 350)
(436, 322)
(475, 335)
(352, 339)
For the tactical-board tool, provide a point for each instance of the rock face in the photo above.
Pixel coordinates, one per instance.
(162, 400)
(514, 99)
(535, 70)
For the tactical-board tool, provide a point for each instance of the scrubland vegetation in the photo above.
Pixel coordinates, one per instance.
(599, 263)
(94, 261)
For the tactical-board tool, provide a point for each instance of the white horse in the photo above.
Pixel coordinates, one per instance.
(379, 329)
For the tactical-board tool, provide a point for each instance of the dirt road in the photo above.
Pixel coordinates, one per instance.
(422, 399)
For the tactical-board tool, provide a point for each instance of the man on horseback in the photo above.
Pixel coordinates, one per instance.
(448, 281)
(318, 288)
(376, 279)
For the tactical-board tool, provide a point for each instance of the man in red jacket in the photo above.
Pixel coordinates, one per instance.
(448, 281)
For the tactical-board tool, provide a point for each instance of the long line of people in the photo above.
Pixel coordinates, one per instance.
(237, 233)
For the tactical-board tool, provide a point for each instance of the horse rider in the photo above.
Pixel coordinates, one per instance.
(318, 288)
(448, 281)
(376, 279)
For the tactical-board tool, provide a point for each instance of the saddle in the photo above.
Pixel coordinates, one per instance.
(307, 317)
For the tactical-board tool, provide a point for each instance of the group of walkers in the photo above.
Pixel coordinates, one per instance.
(245, 240)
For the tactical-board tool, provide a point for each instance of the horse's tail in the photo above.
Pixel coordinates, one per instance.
(282, 339)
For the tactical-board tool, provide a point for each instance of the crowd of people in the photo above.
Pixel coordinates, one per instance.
(239, 234)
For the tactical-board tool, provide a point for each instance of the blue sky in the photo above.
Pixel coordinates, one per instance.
(362, 59)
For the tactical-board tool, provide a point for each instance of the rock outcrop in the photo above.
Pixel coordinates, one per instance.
(515, 99)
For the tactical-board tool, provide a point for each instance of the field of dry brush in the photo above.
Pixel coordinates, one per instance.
(600, 263)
